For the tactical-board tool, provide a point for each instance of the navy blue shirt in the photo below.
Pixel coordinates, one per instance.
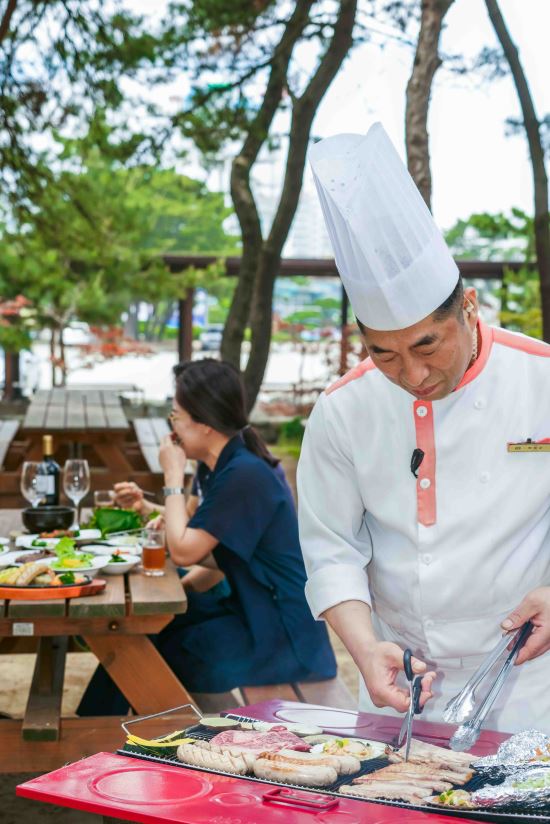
(248, 506)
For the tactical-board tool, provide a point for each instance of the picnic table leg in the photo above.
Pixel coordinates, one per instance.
(140, 672)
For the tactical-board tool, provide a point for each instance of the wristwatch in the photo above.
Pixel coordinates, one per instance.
(172, 490)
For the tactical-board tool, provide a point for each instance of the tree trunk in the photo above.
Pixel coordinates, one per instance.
(540, 179)
(419, 87)
(53, 356)
(241, 191)
(6, 19)
(303, 111)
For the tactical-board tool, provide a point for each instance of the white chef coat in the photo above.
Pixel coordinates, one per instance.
(443, 558)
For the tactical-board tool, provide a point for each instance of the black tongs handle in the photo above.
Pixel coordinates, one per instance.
(415, 680)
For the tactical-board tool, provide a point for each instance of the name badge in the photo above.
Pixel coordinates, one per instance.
(530, 446)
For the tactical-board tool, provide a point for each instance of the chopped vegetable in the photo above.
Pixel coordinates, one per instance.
(116, 558)
(68, 558)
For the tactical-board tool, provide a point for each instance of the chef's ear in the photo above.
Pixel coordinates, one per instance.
(470, 306)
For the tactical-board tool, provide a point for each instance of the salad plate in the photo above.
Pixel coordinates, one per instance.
(88, 562)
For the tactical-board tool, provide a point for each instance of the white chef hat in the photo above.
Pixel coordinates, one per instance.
(392, 258)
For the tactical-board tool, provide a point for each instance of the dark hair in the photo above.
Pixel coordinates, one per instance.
(212, 392)
(450, 306)
(453, 304)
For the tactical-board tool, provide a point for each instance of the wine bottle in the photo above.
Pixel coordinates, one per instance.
(47, 481)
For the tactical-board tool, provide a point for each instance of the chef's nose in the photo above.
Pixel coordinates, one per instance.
(414, 373)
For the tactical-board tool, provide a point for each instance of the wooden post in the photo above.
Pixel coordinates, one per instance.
(185, 327)
(344, 333)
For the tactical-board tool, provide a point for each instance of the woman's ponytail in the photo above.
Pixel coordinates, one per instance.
(254, 443)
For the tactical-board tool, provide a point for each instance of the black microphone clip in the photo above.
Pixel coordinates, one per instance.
(416, 460)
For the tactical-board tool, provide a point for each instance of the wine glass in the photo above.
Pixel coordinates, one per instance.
(76, 483)
(31, 488)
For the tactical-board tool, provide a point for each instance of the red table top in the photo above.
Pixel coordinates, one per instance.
(133, 790)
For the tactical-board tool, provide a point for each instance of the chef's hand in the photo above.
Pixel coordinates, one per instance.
(380, 672)
(535, 607)
(172, 459)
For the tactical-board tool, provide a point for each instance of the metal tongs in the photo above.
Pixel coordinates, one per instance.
(461, 706)
(415, 688)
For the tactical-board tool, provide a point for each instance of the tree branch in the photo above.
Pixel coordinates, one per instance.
(426, 63)
(540, 178)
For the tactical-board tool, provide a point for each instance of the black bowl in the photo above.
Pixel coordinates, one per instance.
(47, 518)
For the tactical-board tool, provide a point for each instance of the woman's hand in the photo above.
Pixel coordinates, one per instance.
(156, 523)
(128, 495)
(173, 460)
(535, 607)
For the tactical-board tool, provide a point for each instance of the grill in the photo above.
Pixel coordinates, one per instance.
(506, 815)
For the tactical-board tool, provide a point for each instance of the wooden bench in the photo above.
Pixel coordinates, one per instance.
(8, 429)
(149, 433)
(330, 693)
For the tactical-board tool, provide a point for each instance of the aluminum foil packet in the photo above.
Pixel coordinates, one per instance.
(526, 747)
(528, 788)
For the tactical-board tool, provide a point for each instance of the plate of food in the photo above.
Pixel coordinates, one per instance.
(25, 556)
(37, 581)
(78, 562)
(51, 539)
(120, 562)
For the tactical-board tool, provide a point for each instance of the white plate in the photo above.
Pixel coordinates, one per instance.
(125, 549)
(87, 535)
(127, 541)
(4, 544)
(9, 558)
(119, 567)
(101, 549)
(25, 542)
(98, 562)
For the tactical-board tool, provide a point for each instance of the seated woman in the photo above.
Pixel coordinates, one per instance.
(262, 632)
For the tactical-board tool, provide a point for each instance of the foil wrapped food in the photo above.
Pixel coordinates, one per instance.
(528, 789)
(526, 747)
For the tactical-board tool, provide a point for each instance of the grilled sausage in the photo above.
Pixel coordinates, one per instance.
(203, 757)
(294, 771)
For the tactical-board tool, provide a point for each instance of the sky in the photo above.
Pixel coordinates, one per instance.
(475, 166)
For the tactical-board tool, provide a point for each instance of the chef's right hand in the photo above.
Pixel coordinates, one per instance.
(380, 670)
(128, 495)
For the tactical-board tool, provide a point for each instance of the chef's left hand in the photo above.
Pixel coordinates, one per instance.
(535, 607)
(172, 459)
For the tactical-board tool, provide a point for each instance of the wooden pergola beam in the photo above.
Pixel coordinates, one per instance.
(326, 267)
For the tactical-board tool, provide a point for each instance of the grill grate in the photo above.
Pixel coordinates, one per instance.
(509, 815)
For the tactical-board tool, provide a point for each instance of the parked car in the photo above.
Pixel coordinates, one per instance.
(211, 337)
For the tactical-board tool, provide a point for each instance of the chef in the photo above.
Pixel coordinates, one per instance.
(424, 478)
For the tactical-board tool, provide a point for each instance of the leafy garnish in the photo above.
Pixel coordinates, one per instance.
(67, 578)
(109, 519)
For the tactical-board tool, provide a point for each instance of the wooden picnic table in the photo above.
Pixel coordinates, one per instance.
(91, 418)
(115, 626)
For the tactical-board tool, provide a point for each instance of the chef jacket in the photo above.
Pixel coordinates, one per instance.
(442, 558)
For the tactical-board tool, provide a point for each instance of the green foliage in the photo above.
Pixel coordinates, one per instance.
(509, 237)
(291, 432)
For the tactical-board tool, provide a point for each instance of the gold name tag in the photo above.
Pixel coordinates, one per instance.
(529, 447)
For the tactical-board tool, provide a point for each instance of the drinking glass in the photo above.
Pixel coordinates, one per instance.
(31, 488)
(76, 483)
(104, 497)
(153, 551)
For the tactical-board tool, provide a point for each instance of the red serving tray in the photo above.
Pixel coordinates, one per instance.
(31, 593)
(133, 790)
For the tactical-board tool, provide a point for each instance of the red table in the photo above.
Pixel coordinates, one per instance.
(121, 788)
